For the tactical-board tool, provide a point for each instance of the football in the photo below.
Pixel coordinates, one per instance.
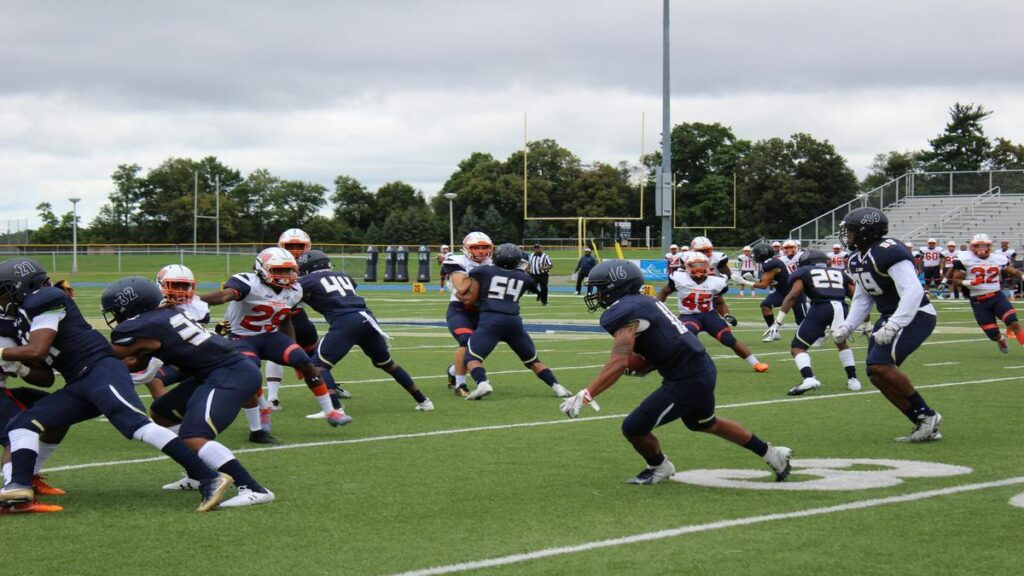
(636, 365)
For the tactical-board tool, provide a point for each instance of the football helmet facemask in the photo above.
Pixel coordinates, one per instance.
(177, 283)
(312, 261)
(981, 245)
(276, 267)
(697, 266)
(613, 280)
(129, 297)
(295, 241)
(477, 246)
(862, 227)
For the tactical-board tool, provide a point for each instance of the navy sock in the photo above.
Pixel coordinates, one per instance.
(241, 476)
(194, 467)
(851, 371)
(769, 319)
(23, 462)
(919, 407)
(756, 445)
(547, 376)
(806, 372)
(403, 378)
(418, 396)
(655, 460)
(479, 374)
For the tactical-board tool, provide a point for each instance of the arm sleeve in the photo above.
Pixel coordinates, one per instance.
(860, 307)
(238, 285)
(49, 319)
(909, 288)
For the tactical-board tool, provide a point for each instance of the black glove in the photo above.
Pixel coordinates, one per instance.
(730, 320)
(222, 328)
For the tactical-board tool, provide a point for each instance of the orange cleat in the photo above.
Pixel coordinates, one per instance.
(31, 507)
(43, 488)
(760, 367)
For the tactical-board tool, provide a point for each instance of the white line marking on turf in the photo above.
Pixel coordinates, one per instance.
(719, 525)
(474, 429)
(1012, 367)
(941, 364)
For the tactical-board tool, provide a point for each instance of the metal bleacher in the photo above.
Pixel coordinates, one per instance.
(945, 206)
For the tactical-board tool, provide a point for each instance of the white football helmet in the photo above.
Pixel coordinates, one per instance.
(790, 247)
(177, 283)
(951, 245)
(776, 245)
(703, 245)
(981, 245)
(295, 241)
(747, 250)
(909, 245)
(673, 248)
(837, 248)
(445, 248)
(477, 246)
(932, 242)
(277, 267)
(697, 265)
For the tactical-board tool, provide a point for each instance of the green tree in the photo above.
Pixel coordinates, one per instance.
(1006, 155)
(54, 230)
(354, 205)
(891, 165)
(294, 202)
(963, 144)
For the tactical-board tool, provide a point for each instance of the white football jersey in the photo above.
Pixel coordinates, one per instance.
(697, 298)
(932, 256)
(984, 275)
(262, 309)
(195, 309)
(791, 263)
(1010, 253)
(948, 257)
(747, 263)
(837, 260)
(464, 264)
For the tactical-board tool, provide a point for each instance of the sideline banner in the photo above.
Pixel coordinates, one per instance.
(652, 269)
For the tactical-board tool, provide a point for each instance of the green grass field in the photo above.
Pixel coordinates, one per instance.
(508, 485)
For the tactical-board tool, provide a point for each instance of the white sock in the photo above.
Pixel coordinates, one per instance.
(846, 357)
(45, 450)
(155, 435)
(460, 379)
(7, 472)
(263, 402)
(272, 388)
(252, 416)
(325, 403)
(215, 454)
(451, 369)
(803, 360)
(751, 359)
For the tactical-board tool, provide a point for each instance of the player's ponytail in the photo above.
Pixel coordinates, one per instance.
(64, 285)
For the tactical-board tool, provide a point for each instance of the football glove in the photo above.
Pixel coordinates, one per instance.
(842, 333)
(222, 328)
(885, 334)
(571, 406)
(772, 332)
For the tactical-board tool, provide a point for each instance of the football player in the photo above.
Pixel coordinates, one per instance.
(837, 259)
(777, 249)
(96, 383)
(883, 270)
(747, 271)
(259, 312)
(827, 289)
(702, 308)
(333, 294)
(673, 259)
(774, 274)
(462, 318)
(1010, 285)
(790, 254)
(496, 289)
(719, 260)
(219, 379)
(441, 255)
(949, 256)
(16, 399)
(931, 262)
(642, 325)
(916, 255)
(980, 272)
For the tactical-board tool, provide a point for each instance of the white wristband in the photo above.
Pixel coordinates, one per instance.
(22, 370)
(780, 318)
(1, 353)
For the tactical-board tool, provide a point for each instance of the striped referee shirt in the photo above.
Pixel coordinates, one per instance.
(539, 263)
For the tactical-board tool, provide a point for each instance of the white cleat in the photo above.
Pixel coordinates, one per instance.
(560, 391)
(317, 416)
(927, 430)
(778, 458)
(185, 483)
(247, 497)
(482, 389)
(772, 337)
(853, 385)
(275, 405)
(655, 474)
(425, 406)
(805, 386)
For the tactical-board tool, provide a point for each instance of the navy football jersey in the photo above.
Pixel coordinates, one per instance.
(15, 328)
(331, 293)
(661, 338)
(822, 282)
(184, 342)
(781, 277)
(501, 289)
(869, 269)
(78, 346)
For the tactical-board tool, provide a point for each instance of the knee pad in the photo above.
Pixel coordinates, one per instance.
(155, 436)
(992, 331)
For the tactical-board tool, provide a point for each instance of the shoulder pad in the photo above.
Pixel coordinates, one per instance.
(43, 300)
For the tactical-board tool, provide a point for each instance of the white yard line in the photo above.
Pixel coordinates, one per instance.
(719, 525)
(476, 429)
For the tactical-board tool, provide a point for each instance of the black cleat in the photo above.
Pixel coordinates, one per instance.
(262, 437)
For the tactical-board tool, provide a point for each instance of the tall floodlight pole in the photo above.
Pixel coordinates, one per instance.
(665, 186)
(218, 214)
(451, 220)
(74, 234)
(195, 211)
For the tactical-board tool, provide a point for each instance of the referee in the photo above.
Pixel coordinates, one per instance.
(538, 265)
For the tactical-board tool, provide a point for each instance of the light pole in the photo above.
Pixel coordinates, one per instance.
(451, 220)
(74, 234)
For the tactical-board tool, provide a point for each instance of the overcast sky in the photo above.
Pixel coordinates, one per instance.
(403, 90)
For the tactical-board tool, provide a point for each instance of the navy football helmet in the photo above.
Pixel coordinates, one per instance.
(312, 261)
(812, 257)
(763, 252)
(507, 256)
(862, 227)
(20, 277)
(129, 297)
(613, 280)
